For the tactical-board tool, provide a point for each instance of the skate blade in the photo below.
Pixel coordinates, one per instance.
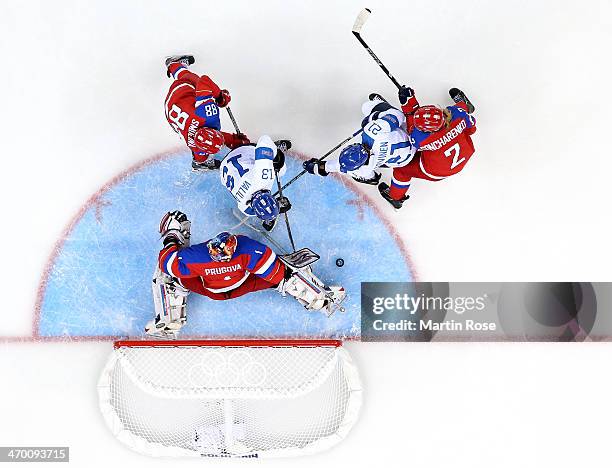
(162, 335)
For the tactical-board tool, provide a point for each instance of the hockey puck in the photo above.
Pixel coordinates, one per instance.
(339, 262)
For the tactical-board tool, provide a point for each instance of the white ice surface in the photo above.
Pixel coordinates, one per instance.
(82, 90)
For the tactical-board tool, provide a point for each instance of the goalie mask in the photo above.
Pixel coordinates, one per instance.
(222, 247)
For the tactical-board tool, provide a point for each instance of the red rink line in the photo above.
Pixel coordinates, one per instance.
(95, 199)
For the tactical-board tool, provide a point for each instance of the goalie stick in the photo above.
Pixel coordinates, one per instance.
(245, 221)
(359, 22)
(297, 260)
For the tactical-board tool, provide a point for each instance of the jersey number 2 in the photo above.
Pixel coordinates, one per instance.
(454, 152)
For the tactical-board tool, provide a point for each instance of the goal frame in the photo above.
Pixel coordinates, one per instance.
(149, 447)
(240, 342)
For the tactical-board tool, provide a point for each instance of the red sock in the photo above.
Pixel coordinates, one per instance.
(397, 193)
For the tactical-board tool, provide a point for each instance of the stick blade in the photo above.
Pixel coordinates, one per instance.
(362, 17)
(300, 258)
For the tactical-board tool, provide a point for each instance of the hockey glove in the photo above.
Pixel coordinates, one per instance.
(242, 139)
(234, 140)
(405, 93)
(175, 228)
(407, 99)
(284, 204)
(224, 98)
(314, 166)
(279, 160)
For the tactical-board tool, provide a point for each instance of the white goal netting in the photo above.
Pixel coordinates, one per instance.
(192, 399)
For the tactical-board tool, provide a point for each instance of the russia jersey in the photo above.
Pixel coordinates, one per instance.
(447, 151)
(250, 257)
(190, 104)
(248, 169)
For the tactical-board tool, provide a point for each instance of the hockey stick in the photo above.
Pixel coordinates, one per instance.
(280, 192)
(231, 116)
(244, 221)
(296, 260)
(359, 22)
(322, 158)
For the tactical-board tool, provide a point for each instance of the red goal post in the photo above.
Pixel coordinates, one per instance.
(255, 343)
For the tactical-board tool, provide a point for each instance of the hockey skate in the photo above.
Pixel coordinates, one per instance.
(373, 181)
(182, 59)
(208, 165)
(159, 329)
(376, 97)
(385, 192)
(283, 145)
(459, 96)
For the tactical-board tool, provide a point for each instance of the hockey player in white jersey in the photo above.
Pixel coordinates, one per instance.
(384, 143)
(249, 172)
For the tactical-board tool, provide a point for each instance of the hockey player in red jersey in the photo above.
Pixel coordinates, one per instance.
(442, 138)
(192, 109)
(224, 267)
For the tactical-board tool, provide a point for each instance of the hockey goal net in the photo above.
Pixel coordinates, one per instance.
(229, 398)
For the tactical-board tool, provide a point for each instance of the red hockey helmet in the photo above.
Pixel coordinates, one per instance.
(429, 118)
(208, 140)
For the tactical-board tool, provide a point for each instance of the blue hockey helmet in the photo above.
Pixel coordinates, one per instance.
(222, 247)
(264, 205)
(353, 157)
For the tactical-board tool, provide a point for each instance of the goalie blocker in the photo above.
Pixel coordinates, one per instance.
(225, 267)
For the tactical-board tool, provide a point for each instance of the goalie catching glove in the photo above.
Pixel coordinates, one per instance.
(175, 228)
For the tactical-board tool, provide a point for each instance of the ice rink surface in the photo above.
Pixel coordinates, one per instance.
(99, 281)
(83, 90)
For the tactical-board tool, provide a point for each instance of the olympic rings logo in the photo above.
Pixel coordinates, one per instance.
(217, 369)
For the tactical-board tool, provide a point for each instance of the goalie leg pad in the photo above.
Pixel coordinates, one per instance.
(170, 299)
(311, 292)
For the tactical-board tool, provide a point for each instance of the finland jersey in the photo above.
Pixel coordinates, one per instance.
(384, 132)
(248, 169)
